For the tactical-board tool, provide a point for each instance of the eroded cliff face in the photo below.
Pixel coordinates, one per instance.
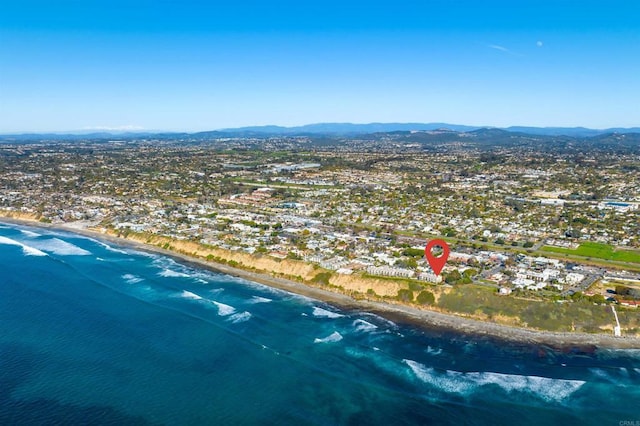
(354, 283)
(288, 268)
(261, 263)
(11, 214)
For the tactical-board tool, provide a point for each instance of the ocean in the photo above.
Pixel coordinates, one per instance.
(93, 333)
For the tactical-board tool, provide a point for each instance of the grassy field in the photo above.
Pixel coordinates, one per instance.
(599, 251)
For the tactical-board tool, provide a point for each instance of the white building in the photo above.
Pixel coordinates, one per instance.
(430, 277)
(388, 271)
(573, 278)
(618, 206)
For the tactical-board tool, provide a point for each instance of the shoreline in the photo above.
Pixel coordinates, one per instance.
(420, 318)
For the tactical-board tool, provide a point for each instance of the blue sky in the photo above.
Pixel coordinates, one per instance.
(200, 65)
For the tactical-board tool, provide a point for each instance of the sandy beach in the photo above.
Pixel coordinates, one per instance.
(404, 314)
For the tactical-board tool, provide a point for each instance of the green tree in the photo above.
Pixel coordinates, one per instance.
(412, 252)
(405, 295)
(453, 277)
(426, 298)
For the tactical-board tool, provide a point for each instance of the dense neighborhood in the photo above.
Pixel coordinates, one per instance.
(517, 220)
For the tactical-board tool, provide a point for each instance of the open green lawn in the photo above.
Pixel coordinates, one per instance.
(599, 251)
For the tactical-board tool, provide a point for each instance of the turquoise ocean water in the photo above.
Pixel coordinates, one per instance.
(97, 334)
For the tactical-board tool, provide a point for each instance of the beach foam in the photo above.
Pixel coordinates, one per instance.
(31, 251)
(31, 234)
(381, 320)
(224, 310)
(364, 326)
(258, 299)
(333, 337)
(188, 295)
(298, 298)
(131, 279)
(323, 313)
(547, 388)
(451, 382)
(240, 317)
(108, 247)
(170, 273)
(59, 247)
(27, 250)
(465, 383)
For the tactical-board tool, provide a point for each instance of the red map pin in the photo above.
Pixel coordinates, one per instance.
(437, 263)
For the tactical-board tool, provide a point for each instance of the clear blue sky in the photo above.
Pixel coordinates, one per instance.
(199, 65)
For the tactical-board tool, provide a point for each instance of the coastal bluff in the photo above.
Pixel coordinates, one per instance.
(291, 269)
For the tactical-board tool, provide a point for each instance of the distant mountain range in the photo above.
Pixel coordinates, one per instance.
(351, 128)
(328, 129)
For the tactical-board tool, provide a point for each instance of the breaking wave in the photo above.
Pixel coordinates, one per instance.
(131, 279)
(466, 383)
(170, 273)
(59, 247)
(188, 295)
(364, 326)
(31, 234)
(240, 317)
(224, 310)
(110, 248)
(27, 250)
(381, 320)
(333, 337)
(323, 313)
(258, 299)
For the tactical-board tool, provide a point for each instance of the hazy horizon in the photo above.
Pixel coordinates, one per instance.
(129, 130)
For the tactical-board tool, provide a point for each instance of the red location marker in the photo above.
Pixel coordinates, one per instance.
(437, 263)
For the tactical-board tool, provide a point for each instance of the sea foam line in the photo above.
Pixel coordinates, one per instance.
(449, 381)
(240, 317)
(364, 326)
(30, 233)
(259, 299)
(108, 247)
(27, 250)
(188, 295)
(224, 310)
(59, 247)
(170, 273)
(323, 313)
(333, 337)
(131, 279)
